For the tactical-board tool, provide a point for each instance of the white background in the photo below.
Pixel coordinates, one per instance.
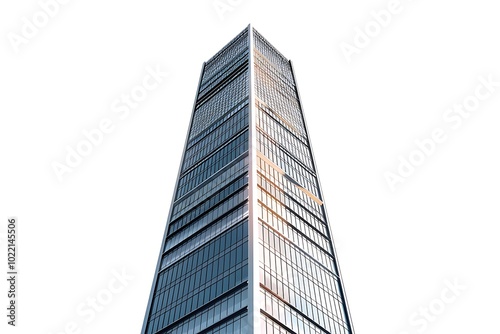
(396, 248)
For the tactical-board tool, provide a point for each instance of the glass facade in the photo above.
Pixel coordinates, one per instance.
(247, 248)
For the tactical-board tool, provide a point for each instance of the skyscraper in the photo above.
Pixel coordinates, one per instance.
(247, 247)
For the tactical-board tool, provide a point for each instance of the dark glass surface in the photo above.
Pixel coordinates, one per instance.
(202, 280)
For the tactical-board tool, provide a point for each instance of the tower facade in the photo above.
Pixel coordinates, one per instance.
(247, 247)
